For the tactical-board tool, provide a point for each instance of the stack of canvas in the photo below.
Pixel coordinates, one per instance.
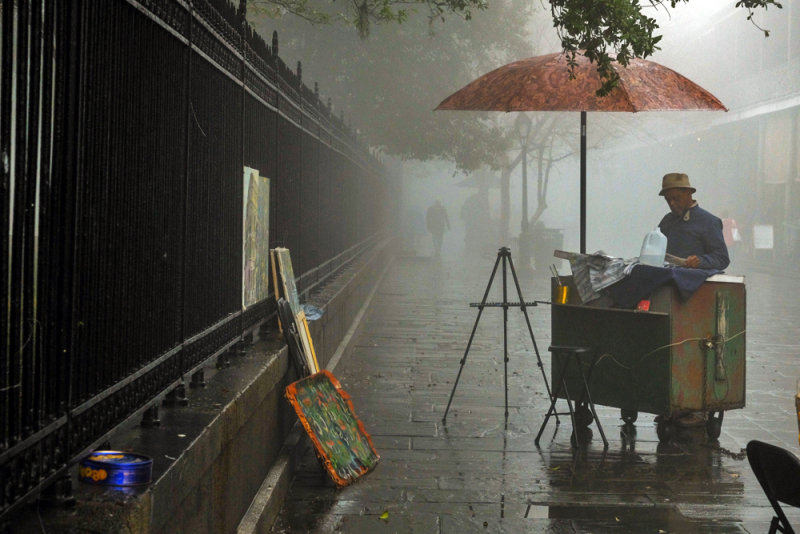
(285, 288)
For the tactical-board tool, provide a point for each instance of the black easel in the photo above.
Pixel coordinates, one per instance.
(503, 254)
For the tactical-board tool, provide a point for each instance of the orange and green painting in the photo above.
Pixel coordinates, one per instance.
(339, 437)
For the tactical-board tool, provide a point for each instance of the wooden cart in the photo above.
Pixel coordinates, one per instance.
(680, 356)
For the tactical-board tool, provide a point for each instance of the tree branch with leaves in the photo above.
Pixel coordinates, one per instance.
(618, 30)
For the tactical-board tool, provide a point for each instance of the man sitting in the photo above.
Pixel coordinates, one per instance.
(692, 232)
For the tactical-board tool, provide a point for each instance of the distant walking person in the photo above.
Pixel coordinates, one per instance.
(437, 222)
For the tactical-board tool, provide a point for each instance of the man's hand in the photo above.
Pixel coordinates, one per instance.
(693, 262)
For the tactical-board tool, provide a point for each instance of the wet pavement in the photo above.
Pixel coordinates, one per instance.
(479, 473)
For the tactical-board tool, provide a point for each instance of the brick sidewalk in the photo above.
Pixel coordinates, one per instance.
(474, 475)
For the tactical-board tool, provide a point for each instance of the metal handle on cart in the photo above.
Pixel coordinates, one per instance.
(722, 334)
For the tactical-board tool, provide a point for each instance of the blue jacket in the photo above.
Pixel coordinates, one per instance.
(696, 233)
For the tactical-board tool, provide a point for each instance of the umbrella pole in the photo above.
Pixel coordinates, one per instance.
(583, 182)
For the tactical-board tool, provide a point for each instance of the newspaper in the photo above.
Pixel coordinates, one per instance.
(675, 260)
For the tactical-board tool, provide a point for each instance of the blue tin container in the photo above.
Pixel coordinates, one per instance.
(116, 468)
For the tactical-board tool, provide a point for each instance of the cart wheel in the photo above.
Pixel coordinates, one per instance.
(583, 415)
(714, 425)
(665, 430)
(629, 416)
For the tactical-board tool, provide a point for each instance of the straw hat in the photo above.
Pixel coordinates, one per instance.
(675, 180)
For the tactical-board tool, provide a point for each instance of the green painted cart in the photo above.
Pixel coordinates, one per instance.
(677, 357)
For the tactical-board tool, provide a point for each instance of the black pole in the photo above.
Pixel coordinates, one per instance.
(524, 226)
(583, 182)
(506, 256)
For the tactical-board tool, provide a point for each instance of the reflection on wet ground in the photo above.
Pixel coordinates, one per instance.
(481, 473)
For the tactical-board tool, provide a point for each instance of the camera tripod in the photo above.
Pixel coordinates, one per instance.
(503, 254)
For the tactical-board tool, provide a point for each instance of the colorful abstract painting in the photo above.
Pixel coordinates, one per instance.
(339, 437)
(255, 238)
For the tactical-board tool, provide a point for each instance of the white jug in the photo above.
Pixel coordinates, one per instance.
(654, 248)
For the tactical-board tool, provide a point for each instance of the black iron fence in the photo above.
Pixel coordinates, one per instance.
(126, 126)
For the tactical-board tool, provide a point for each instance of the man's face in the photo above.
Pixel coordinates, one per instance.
(678, 199)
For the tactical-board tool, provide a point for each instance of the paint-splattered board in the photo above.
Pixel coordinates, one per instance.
(339, 437)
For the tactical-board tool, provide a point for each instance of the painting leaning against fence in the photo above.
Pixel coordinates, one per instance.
(339, 437)
(286, 273)
(255, 238)
(284, 279)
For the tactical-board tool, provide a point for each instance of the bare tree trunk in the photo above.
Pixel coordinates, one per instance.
(544, 166)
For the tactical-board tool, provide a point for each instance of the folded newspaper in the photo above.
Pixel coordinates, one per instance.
(594, 272)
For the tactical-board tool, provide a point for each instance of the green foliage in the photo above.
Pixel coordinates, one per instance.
(751, 5)
(607, 30)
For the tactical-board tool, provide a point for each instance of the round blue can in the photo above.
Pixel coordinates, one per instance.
(116, 468)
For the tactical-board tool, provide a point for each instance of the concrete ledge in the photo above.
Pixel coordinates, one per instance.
(217, 473)
(268, 501)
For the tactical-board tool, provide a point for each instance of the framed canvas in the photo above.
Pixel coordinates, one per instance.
(340, 440)
(290, 331)
(255, 238)
(304, 326)
(286, 279)
(302, 332)
(273, 262)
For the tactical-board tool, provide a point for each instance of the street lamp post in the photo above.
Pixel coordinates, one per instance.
(524, 226)
(523, 126)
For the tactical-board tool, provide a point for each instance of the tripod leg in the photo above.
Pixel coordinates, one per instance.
(530, 331)
(471, 336)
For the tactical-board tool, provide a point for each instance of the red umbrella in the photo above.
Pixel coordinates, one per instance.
(543, 83)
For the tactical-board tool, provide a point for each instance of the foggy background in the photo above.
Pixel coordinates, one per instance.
(711, 43)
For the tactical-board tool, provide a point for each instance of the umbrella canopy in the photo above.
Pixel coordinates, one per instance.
(543, 83)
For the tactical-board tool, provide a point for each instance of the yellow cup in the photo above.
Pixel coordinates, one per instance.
(562, 294)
